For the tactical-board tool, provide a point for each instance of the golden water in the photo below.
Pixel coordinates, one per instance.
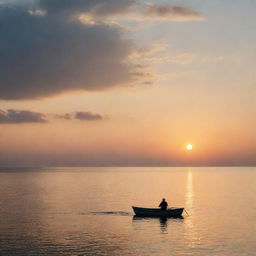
(87, 211)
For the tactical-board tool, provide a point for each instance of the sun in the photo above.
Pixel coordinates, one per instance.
(189, 147)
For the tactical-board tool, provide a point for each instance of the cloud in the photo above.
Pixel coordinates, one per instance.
(12, 116)
(122, 9)
(21, 116)
(52, 46)
(80, 115)
(171, 12)
(44, 55)
(140, 11)
(148, 59)
(88, 116)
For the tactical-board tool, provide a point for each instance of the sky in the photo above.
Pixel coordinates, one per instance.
(127, 82)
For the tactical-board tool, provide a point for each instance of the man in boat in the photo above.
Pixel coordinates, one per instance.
(163, 205)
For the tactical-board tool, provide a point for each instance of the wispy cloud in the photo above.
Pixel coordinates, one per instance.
(171, 12)
(140, 11)
(131, 9)
(149, 59)
(66, 116)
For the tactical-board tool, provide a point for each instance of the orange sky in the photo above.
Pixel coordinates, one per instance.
(193, 81)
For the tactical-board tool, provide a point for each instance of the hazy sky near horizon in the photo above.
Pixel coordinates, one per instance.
(127, 82)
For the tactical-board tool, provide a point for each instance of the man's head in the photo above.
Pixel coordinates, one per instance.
(163, 199)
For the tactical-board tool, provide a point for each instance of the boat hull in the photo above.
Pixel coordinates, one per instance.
(156, 212)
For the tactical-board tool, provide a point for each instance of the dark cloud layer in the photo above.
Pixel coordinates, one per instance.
(45, 50)
(20, 116)
(43, 55)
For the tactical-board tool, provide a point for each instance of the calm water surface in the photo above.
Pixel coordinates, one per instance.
(87, 211)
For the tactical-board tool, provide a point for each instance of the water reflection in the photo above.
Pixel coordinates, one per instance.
(192, 237)
(147, 222)
(88, 213)
(163, 224)
(189, 191)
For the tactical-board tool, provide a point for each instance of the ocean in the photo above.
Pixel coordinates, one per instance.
(87, 211)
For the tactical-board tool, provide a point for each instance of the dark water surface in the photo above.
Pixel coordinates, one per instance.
(87, 211)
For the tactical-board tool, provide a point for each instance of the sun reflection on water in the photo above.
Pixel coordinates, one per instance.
(192, 237)
(189, 191)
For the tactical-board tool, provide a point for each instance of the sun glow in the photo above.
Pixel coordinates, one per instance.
(189, 147)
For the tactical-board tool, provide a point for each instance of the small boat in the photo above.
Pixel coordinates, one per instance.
(156, 212)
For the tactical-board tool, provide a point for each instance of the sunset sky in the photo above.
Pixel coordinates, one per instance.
(127, 82)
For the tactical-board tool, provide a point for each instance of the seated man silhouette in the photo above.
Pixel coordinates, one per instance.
(163, 205)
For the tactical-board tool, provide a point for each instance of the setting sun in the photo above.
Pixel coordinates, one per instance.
(189, 147)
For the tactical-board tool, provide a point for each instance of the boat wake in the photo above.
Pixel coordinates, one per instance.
(116, 213)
